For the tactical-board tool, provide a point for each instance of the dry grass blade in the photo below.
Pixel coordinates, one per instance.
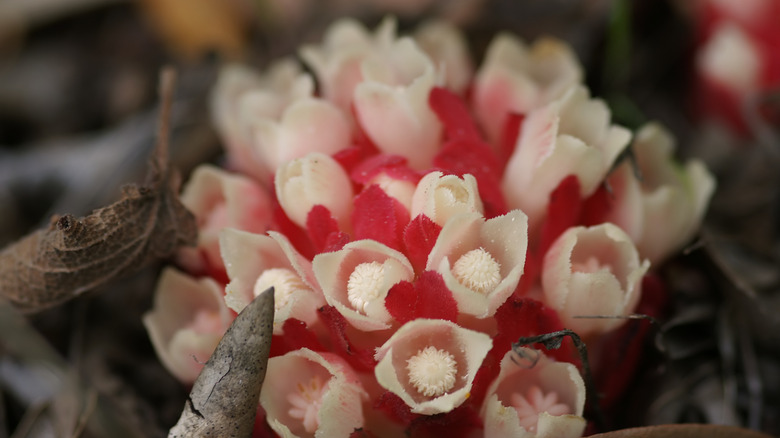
(75, 255)
(223, 401)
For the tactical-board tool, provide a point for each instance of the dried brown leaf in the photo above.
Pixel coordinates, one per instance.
(683, 431)
(75, 255)
(224, 398)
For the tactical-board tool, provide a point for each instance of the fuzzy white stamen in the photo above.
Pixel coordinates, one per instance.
(432, 372)
(365, 284)
(535, 402)
(591, 265)
(306, 403)
(284, 281)
(478, 271)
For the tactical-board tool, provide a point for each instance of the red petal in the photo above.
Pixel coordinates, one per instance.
(379, 217)
(509, 136)
(453, 114)
(319, 225)
(296, 336)
(434, 299)
(563, 211)
(361, 359)
(477, 158)
(395, 408)
(596, 207)
(460, 422)
(419, 238)
(401, 302)
(527, 317)
(393, 165)
(297, 235)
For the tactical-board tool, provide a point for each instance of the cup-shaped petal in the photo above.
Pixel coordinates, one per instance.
(391, 103)
(669, 193)
(242, 97)
(309, 394)
(187, 320)
(570, 136)
(431, 364)
(535, 399)
(256, 262)
(356, 279)
(315, 179)
(440, 197)
(219, 199)
(515, 78)
(481, 260)
(446, 45)
(593, 271)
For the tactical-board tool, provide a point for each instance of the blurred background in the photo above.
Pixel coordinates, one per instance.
(78, 113)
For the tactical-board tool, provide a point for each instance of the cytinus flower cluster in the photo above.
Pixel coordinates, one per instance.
(738, 59)
(416, 217)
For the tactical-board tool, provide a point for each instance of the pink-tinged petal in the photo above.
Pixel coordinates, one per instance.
(516, 79)
(356, 280)
(419, 238)
(433, 357)
(309, 394)
(428, 297)
(256, 262)
(481, 260)
(315, 179)
(379, 217)
(307, 125)
(593, 271)
(242, 97)
(453, 114)
(542, 399)
(440, 197)
(672, 194)
(447, 47)
(391, 103)
(570, 136)
(187, 320)
(337, 62)
(219, 199)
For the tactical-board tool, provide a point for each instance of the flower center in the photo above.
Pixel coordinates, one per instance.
(284, 281)
(535, 402)
(590, 265)
(306, 402)
(432, 371)
(478, 271)
(365, 284)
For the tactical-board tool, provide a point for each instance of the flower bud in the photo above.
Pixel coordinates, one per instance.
(440, 197)
(592, 271)
(315, 179)
(446, 45)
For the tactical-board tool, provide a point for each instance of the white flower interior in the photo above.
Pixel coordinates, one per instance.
(365, 284)
(478, 271)
(306, 403)
(432, 372)
(590, 265)
(284, 281)
(533, 403)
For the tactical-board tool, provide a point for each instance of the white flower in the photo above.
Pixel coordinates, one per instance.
(481, 260)
(315, 179)
(730, 58)
(517, 79)
(256, 262)
(440, 197)
(308, 394)
(186, 322)
(570, 136)
(543, 401)
(431, 364)
(446, 45)
(356, 279)
(663, 211)
(592, 271)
